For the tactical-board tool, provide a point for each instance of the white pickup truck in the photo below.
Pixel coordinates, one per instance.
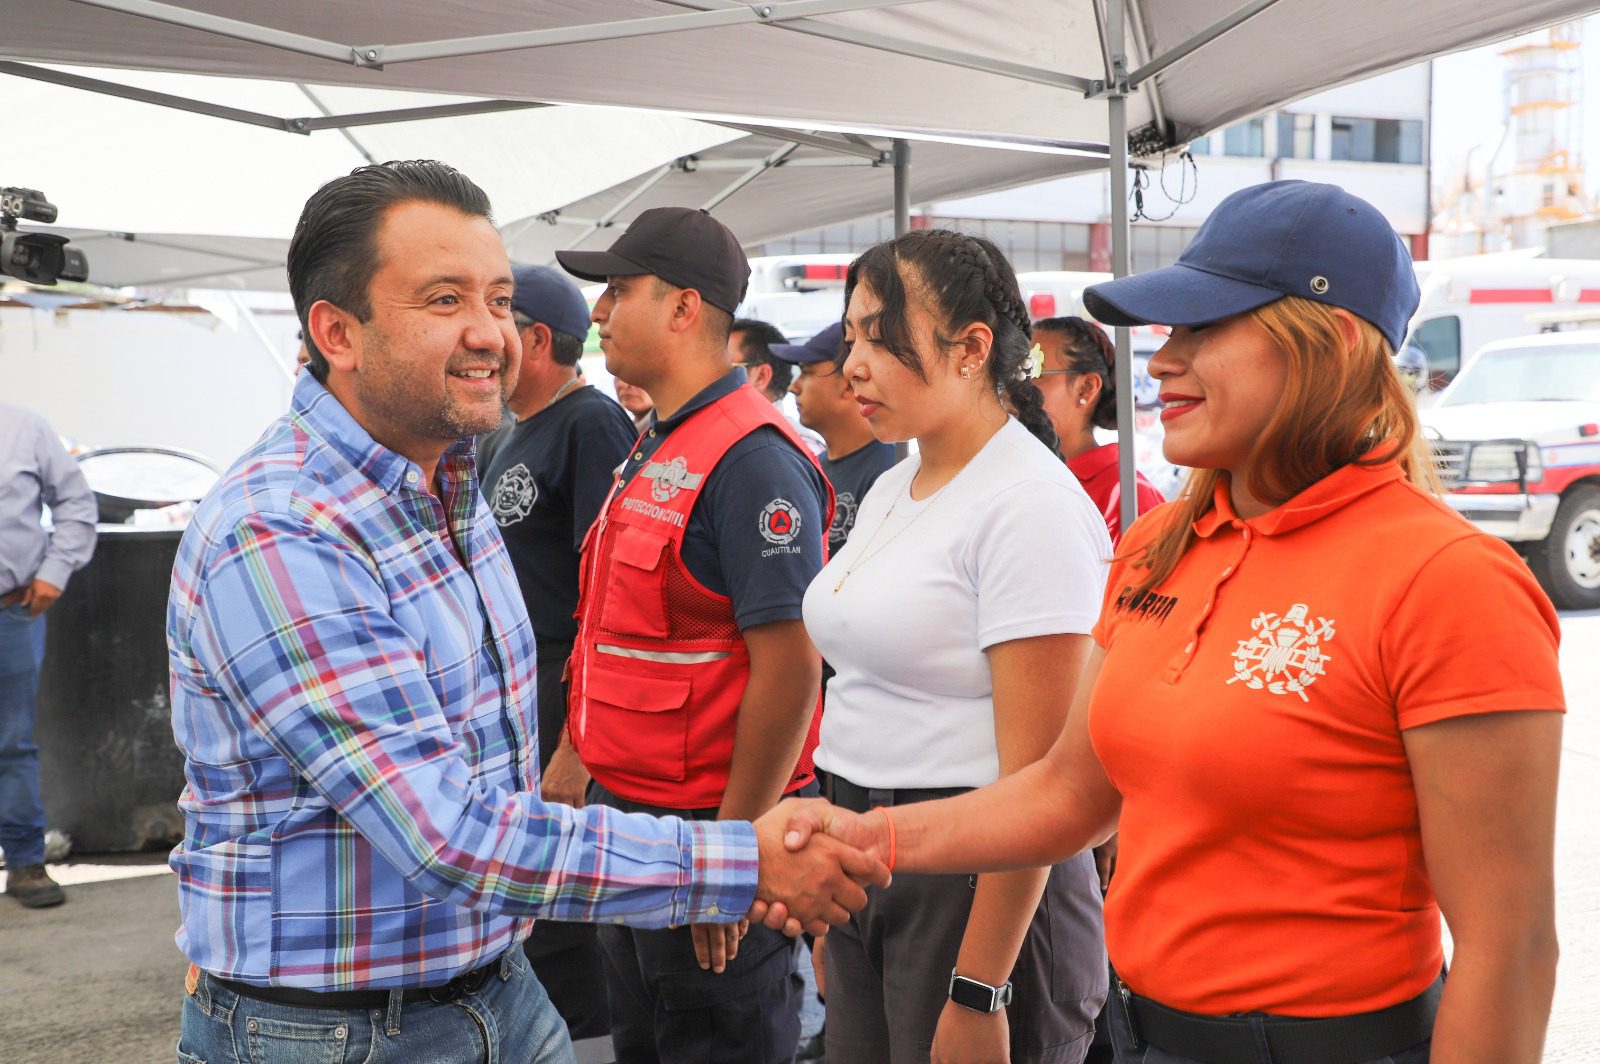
(1517, 441)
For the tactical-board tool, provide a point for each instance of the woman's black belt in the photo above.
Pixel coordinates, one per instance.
(1292, 1040)
(457, 988)
(858, 799)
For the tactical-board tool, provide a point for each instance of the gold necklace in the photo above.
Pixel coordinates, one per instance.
(867, 552)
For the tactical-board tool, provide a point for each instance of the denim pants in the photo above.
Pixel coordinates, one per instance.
(1122, 1041)
(509, 1020)
(21, 810)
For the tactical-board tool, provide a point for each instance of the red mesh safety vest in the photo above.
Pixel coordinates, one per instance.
(659, 667)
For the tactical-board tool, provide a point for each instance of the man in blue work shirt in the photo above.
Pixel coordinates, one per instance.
(695, 686)
(35, 471)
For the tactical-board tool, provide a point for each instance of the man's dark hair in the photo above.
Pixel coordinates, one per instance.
(565, 348)
(334, 252)
(756, 340)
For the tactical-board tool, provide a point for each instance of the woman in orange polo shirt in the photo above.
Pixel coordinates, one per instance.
(1326, 709)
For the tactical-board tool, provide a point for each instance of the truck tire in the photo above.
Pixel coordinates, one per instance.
(1567, 562)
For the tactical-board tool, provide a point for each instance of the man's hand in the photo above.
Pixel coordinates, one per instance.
(809, 887)
(565, 780)
(717, 944)
(967, 1037)
(38, 596)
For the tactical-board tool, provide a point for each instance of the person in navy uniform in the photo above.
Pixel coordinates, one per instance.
(695, 686)
(545, 474)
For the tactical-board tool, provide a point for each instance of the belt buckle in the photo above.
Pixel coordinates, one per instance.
(461, 986)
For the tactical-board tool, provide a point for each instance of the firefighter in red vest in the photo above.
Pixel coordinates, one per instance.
(694, 687)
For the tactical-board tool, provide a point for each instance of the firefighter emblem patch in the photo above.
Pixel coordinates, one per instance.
(1286, 654)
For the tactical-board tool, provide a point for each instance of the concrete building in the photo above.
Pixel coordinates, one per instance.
(1371, 137)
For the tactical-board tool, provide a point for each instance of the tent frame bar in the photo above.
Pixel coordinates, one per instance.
(379, 55)
(775, 159)
(1116, 89)
(302, 125)
(1198, 41)
(932, 53)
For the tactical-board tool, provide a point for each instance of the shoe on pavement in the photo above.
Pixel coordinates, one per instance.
(33, 887)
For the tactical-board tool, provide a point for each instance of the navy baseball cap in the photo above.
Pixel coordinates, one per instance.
(683, 246)
(1283, 238)
(544, 294)
(823, 347)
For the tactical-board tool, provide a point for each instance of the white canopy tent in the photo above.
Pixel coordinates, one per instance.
(1142, 73)
(174, 196)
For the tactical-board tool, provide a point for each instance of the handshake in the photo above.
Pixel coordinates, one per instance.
(816, 861)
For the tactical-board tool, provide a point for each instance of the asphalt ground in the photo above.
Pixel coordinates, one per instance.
(99, 980)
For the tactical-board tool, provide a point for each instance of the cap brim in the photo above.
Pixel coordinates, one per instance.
(798, 354)
(1173, 295)
(597, 265)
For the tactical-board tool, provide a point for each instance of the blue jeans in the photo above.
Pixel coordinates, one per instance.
(21, 810)
(1122, 1041)
(510, 1020)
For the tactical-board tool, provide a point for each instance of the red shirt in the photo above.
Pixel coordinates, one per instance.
(1098, 472)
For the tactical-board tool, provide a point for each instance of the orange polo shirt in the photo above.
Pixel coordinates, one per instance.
(1250, 712)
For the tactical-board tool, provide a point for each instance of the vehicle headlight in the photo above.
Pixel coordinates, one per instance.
(1492, 463)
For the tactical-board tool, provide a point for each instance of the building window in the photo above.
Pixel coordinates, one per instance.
(1377, 140)
(1244, 138)
(1296, 136)
(1200, 146)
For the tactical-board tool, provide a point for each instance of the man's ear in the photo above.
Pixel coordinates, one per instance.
(685, 310)
(336, 333)
(760, 377)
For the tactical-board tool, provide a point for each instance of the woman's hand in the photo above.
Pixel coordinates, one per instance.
(968, 1037)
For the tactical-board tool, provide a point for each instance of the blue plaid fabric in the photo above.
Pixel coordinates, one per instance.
(353, 683)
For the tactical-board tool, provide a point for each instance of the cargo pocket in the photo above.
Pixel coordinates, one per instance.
(637, 724)
(1077, 930)
(635, 603)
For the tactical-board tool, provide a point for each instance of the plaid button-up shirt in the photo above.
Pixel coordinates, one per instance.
(353, 690)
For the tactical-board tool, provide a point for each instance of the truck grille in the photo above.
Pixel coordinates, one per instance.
(1450, 460)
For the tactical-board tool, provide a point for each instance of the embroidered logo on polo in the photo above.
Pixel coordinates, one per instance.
(844, 516)
(1285, 655)
(669, 478)
(780, 524)
(1146, 605)
(514, 495)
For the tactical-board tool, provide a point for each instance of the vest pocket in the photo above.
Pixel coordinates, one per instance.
(637, 724)
(635, 603)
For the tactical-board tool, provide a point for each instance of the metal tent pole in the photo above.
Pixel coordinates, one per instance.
(1117, 111)
(902, 187)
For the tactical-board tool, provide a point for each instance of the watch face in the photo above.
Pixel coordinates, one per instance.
(980, 997)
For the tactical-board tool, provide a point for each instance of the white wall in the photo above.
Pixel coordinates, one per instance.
(1397, 94)
(116, 377)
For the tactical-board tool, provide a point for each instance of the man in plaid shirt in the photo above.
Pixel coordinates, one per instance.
(353, 678)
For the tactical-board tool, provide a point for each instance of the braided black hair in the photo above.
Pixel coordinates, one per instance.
(1089, 352)
(962, 279)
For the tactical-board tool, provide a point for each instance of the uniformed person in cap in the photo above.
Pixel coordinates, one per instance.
(695, 689)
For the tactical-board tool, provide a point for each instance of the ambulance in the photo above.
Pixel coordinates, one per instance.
(1516, 439)
(1469, 302)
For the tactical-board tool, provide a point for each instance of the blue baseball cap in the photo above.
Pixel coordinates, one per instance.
(547, 295)
(1283, 238)
(823, 347)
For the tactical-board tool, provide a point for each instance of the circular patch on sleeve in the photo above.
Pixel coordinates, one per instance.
(780, 522)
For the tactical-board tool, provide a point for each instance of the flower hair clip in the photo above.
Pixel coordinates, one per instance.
(1033, 368)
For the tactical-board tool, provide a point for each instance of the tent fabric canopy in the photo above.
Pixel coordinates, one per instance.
(989, 69)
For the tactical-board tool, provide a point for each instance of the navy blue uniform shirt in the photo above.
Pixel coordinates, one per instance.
(546, 479)
(726, 545)
(851, 475)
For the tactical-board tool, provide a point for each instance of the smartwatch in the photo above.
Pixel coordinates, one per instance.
(979, 997)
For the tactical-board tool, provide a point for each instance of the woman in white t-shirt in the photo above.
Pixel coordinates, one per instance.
(957, 620)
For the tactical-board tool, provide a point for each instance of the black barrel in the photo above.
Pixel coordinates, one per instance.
(108, 765)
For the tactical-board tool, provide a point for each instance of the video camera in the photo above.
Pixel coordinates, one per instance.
(38, 258)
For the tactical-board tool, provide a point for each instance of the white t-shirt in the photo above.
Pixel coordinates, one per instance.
(1009, 549)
